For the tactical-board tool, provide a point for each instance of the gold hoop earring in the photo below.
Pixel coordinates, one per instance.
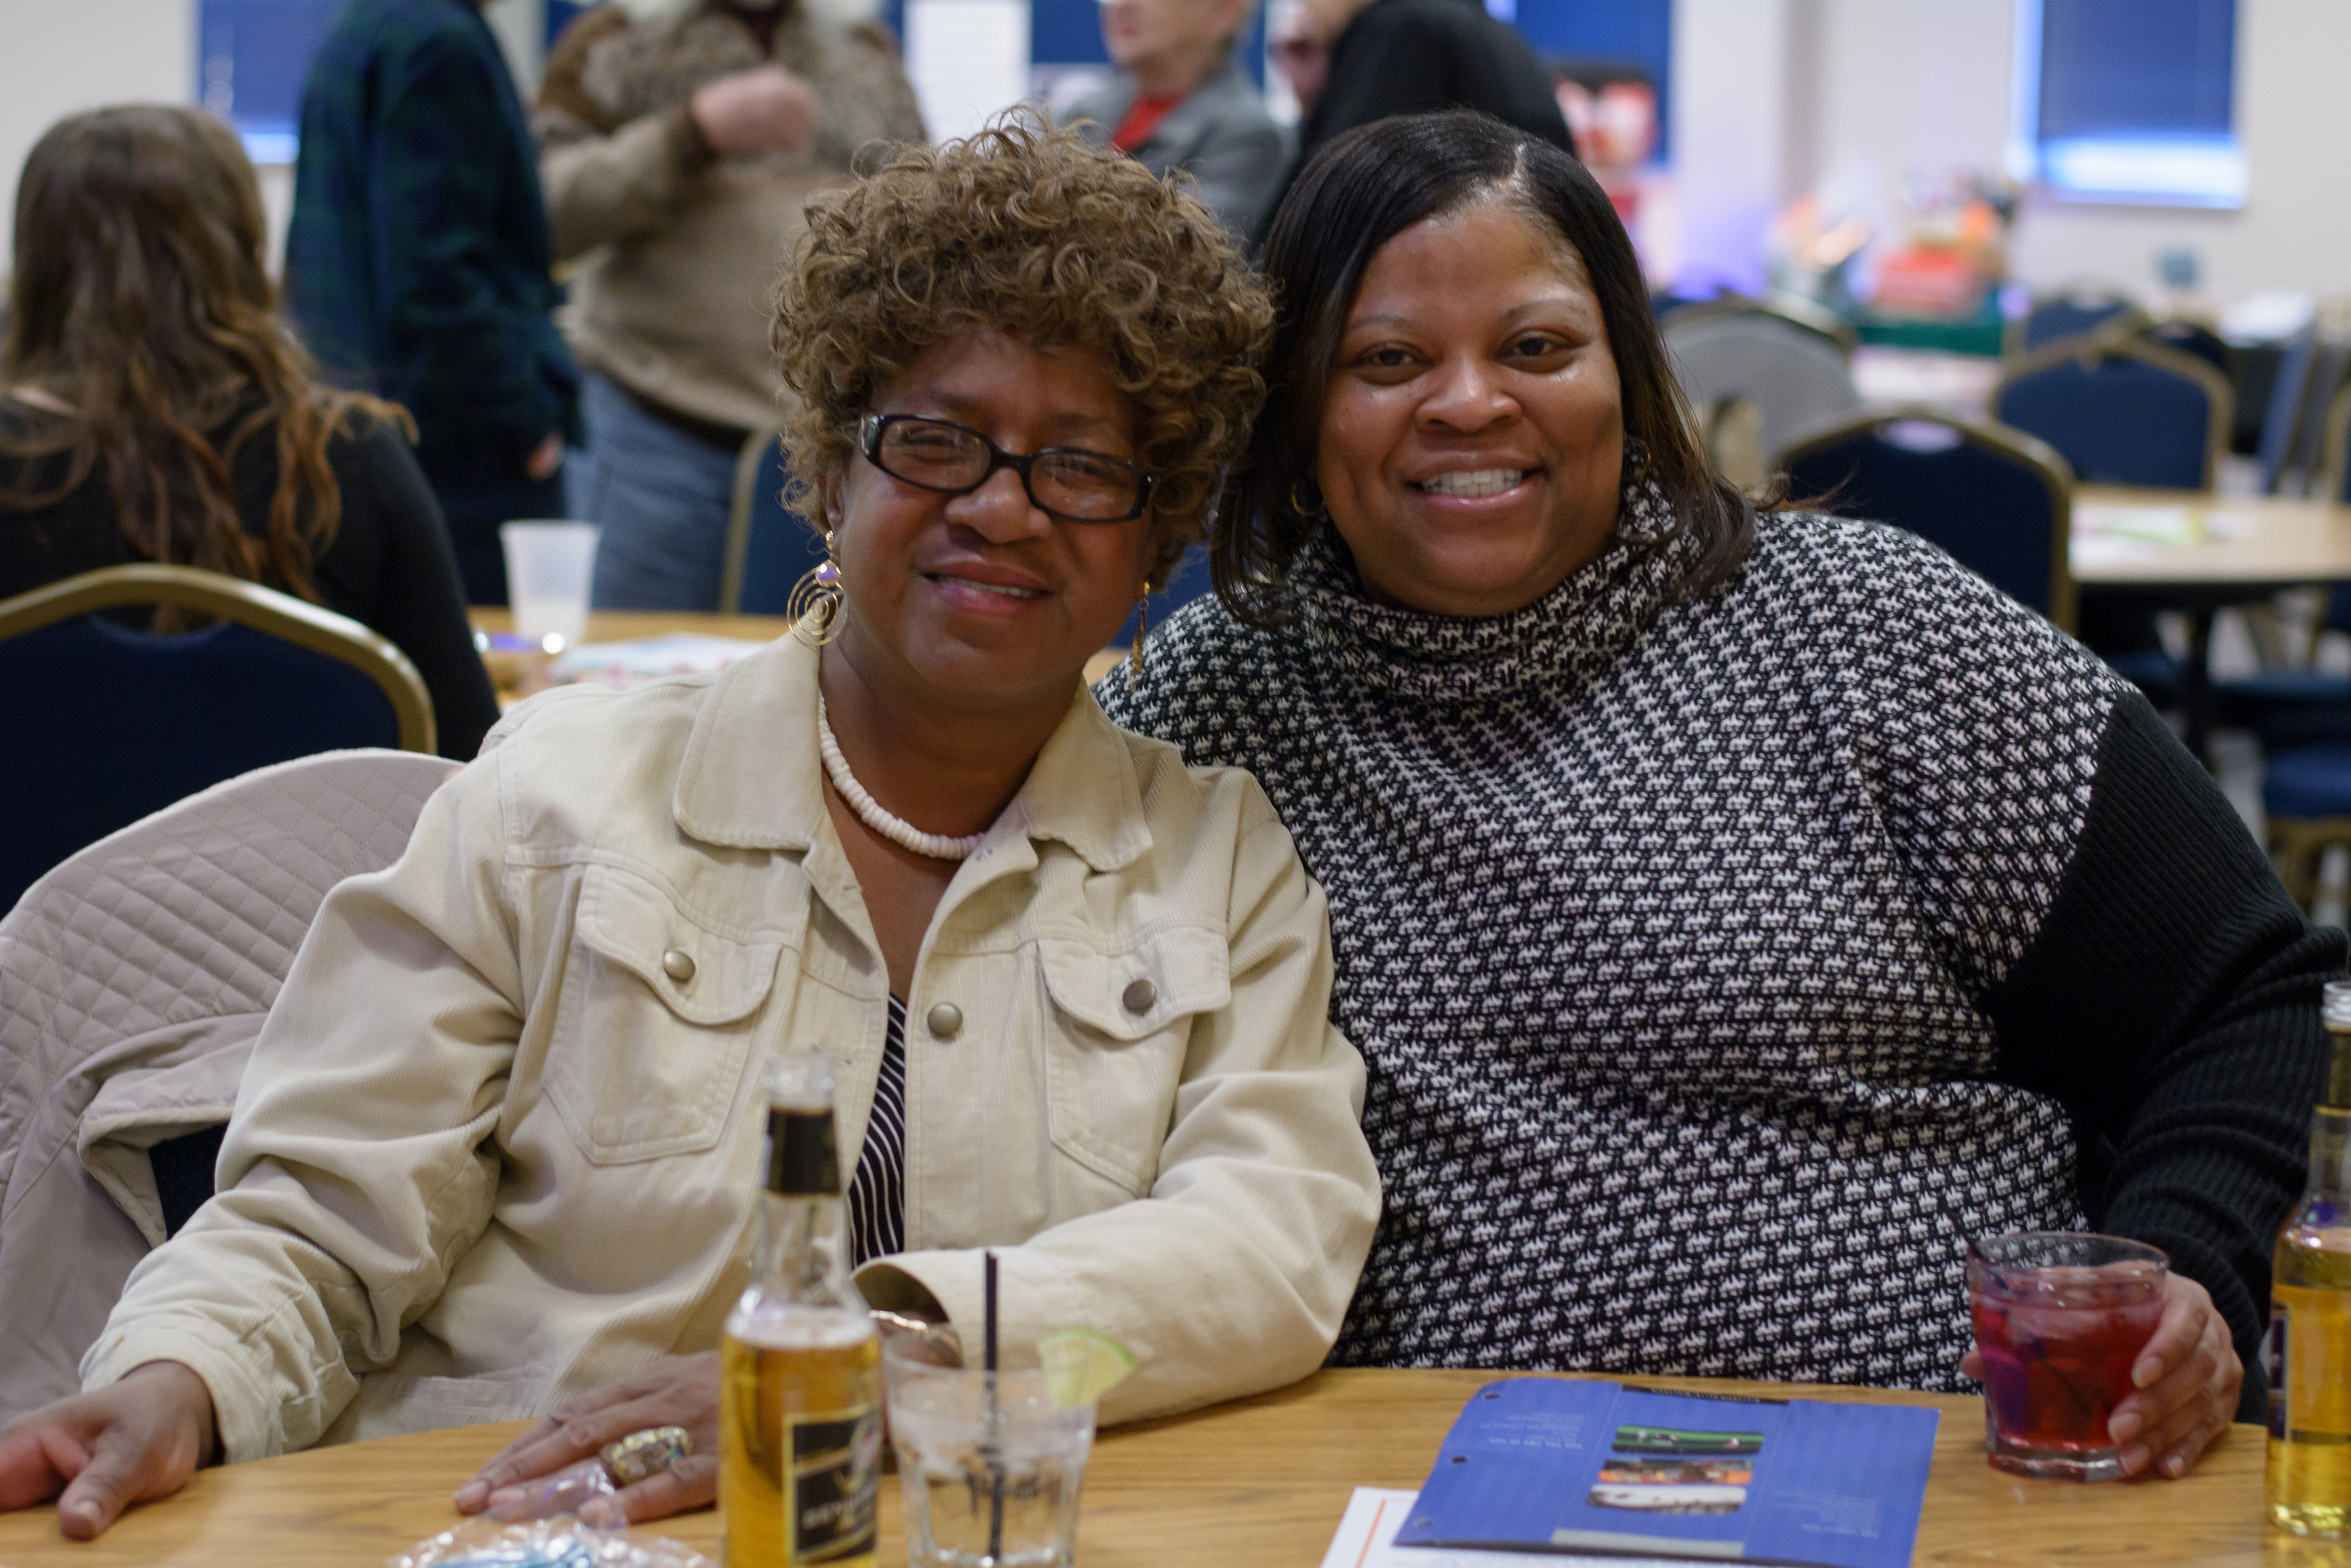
(817, 598)
(1300, 490)
(1141, 631)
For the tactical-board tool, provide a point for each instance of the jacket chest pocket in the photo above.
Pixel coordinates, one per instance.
(654, 1023)
(1113, 1064)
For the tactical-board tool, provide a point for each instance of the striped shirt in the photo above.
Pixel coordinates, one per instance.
(877, 1193)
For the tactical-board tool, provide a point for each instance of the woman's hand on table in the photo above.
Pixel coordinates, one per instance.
(138, 1439)
(2188, 1376)
(675, 1390)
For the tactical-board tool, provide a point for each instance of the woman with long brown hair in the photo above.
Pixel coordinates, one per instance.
(153, 407)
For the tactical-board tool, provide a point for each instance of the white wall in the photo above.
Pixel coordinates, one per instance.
(1730, 132)
(2294, 229)
(58, 57)
(1923, 87)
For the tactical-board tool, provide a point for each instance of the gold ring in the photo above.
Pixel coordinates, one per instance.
(647, 1453)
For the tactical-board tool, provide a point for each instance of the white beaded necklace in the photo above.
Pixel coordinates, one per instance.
(938, 846)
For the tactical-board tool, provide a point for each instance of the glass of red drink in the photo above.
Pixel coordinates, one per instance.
(2060, 1316)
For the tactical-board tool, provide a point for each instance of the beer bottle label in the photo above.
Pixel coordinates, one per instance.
(835, 1471)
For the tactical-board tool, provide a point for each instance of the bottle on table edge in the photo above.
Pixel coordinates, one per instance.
(800, 1402)
(2308, 1484)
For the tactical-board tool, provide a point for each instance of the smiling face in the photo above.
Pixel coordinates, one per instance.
(1472, 439)
(981, 599)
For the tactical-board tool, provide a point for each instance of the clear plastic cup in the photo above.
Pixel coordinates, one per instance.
(549, 566)
(991, 1466)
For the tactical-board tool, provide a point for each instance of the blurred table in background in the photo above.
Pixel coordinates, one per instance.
(512, 671)
(2200, 554)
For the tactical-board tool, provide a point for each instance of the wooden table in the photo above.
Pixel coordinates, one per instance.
(1259, 1483)
(2251, 546)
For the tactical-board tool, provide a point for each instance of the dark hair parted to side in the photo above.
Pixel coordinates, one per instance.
(141, 317)
(1045, 237)
(1361, 190)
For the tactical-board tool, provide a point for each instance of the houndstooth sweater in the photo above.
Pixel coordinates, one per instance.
(1722, 966)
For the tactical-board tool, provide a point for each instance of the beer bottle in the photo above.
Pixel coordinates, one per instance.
(2309, 1483)
(799, 1402)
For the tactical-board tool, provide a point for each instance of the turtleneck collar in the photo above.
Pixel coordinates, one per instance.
(1567, 635)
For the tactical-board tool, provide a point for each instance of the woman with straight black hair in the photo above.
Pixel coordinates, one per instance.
(1736, 909)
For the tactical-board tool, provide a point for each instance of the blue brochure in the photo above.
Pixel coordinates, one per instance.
(1542, 1463)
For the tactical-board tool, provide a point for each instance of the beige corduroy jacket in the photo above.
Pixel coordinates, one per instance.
(500, 1140)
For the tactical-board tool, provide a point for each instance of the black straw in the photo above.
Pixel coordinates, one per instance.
(994, 1448)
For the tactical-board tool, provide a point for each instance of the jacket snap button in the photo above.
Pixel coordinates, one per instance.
(678, 965)
(945, 1019)
(1140, 995)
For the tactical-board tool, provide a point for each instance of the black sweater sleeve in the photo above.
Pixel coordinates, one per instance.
(391, 566)
(2170, 1003)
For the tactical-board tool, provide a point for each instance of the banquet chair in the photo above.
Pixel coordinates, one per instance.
(769, 547)
(2121, 411)
(2307, 803)
(2076, 312)
(2329, 368)
(1795, 378)
(1187, 581)
(103, 723)
(2192, 338)
(1999, 501)
(133, 980)
(2281, 446)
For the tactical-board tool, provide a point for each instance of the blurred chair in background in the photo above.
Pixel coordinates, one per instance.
(2282, 426)
(2121, 411)
(1186, 583)
(133, 978)
(100, 724)
(769, 547)
(2079, 310)
(1793, 373)
(1998, 500)
(2192, 338)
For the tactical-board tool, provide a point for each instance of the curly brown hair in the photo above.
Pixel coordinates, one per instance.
(1043, 235)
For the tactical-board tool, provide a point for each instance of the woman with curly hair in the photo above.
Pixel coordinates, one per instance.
(153, 408)
(500, 1141)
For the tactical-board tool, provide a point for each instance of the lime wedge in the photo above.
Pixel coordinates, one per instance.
(1081, 1366)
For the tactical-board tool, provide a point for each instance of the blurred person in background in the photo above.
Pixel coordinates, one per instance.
(677, 151)
(152, 407)
(418, 261)
(1183, 101)
(1410, 57)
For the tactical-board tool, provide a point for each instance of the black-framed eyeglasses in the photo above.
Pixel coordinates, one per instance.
(1066, 481)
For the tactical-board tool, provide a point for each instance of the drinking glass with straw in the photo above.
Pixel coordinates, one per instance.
(990, 1460)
